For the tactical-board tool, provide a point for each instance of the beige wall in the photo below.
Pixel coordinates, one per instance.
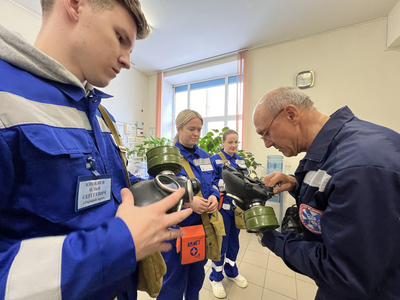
(352, 67)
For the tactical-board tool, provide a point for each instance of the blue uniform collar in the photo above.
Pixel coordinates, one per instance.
(186, 153)
(235, 155)
(76, 93)
(319, 146)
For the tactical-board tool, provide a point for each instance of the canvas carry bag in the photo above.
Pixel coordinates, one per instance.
(152, 268)
(213, 225)
(239, 216)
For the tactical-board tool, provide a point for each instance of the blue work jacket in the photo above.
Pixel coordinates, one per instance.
(201, 166)
(348, 194)
(51, 133)
(218, 163)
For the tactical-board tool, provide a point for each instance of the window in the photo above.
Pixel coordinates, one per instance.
(214, 99)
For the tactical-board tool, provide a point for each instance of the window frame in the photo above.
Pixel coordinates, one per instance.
(226, 118)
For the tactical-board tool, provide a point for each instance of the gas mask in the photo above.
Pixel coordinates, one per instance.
(250, 194)
(163, 163)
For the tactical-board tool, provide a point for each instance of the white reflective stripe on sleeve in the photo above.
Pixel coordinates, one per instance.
(202, 161)
(317, 179)
(231, 262)
(35, 273)
(217, 268)
(16, 110)
(221, 185)
(215, 188)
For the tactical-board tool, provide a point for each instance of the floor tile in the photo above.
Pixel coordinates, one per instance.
(256, 246)
(143, 296)
(256, 258)
(252, 291)
(304, 278)
(271, 295)
(305, 290)
(281, 284)
(253, 274)
(276, 264)
(240, 254)
(243, 242)
(245, 234)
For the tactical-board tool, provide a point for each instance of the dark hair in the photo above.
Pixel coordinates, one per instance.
(133, 6)
(228, 132)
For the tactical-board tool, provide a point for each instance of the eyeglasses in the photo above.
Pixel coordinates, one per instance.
(266, 131)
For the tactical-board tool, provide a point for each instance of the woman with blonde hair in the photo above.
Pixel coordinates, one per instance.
(230, 242)
(188, 279)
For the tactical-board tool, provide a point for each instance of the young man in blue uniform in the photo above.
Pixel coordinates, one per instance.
(68, 228)
(347, 188)
(230, 242)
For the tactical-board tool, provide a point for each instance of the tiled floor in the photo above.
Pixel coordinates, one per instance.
(268, 276)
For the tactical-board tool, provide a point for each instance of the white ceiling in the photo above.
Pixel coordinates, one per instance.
(188, 31)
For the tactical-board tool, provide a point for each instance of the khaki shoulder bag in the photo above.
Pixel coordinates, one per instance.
(213, 225)
(152, 268)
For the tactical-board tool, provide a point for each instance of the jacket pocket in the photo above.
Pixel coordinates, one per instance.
(53, 159)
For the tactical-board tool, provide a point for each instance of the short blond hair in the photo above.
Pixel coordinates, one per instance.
(133, 6)
(183, 117)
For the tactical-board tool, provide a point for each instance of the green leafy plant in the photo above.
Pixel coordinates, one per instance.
(249, 159)
(212, 141)
(148, 143)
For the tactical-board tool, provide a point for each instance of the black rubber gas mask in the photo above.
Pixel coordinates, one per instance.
(163, 163)
(250, 194)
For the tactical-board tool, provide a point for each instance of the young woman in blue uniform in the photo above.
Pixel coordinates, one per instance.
(188, 279)
(230, 242)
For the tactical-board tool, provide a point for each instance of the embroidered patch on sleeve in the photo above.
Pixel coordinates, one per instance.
(311, 218)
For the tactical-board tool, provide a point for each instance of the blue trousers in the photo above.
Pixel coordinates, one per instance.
(181, 279)
(229, 250)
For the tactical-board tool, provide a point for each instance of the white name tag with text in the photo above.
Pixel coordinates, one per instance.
(206, 168)
(92, 190)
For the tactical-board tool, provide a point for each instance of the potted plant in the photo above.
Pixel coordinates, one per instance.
(212, 141)
(148, 143)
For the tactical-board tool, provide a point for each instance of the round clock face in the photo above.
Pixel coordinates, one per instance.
(304, 79)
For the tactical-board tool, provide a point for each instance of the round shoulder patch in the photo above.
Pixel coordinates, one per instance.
(311, 218)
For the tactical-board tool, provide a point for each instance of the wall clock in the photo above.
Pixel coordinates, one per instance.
(304, 79)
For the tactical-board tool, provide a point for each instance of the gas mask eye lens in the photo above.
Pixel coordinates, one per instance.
(167, 183)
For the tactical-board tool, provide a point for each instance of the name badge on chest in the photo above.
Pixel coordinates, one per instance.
(92, 190)
(205, 168)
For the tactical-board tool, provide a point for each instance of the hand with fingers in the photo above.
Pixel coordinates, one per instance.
(199, 205)
(280, 181)
(212, 204)
(149, 225)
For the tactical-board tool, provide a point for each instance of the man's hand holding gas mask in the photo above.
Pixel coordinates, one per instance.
(280, 181)
(149, 225)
